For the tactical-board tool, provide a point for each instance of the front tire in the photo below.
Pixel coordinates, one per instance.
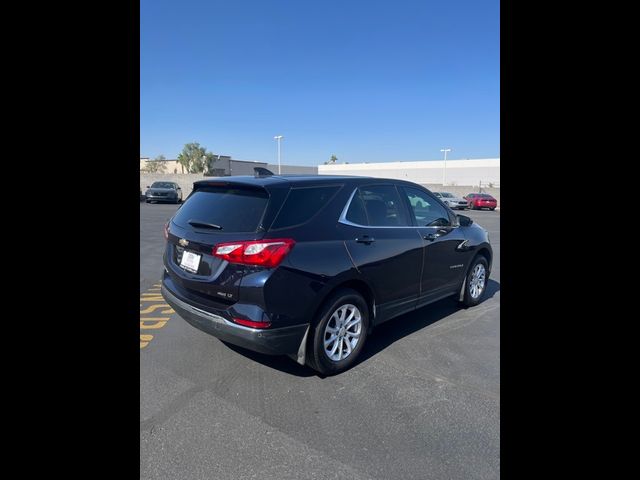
(339, 333)
(476, 282)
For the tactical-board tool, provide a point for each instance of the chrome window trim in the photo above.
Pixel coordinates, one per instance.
(344, 221)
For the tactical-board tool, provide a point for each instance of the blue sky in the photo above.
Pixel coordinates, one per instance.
(368, 81)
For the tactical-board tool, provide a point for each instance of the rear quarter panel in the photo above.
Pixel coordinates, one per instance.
(317, 263)
(301, 283)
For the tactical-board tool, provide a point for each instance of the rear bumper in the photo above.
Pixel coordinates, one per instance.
(485, 205)
(272, 341)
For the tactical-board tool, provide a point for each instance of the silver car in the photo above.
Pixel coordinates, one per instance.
(451, 200)
(164, 192)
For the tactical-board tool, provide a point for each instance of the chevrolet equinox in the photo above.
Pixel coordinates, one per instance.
(307, 266)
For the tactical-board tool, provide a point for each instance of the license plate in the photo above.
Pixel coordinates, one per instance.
(190, 261)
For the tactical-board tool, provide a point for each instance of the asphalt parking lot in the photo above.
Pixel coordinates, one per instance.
(424, 401)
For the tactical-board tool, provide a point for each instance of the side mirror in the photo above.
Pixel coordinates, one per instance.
(148, 186)
(438, 222)
(464, 220)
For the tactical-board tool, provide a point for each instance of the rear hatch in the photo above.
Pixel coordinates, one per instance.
(211, 215)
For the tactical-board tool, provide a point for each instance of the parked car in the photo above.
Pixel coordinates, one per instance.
(163, 192)
(308, 266)
(450, 200)
(481, 200)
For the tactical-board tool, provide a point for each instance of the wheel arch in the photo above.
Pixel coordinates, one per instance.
(354, 283)
(484, 251)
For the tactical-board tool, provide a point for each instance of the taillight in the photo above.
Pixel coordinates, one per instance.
(166, 231)
(265, 253)
(251, 323)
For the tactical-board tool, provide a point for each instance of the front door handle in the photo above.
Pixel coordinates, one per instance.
(365, 239)
(432, 236)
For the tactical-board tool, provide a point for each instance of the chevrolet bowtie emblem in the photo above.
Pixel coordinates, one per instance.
(183, 242)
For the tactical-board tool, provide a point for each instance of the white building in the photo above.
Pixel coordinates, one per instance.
(475, 172)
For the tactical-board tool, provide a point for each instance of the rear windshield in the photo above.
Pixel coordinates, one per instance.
(302, 204)
(484, 195)
(234, 209)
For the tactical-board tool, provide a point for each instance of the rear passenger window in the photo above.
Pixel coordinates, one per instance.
(384, 206)
(302, 204)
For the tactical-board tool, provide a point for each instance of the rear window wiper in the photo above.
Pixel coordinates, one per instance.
(198, 223)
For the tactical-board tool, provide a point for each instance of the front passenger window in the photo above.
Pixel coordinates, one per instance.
(426, 211)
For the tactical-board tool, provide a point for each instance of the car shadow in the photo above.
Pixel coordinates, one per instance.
(278, 362)
(382, 336)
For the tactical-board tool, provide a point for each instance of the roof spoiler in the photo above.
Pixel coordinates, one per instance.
(262, 172)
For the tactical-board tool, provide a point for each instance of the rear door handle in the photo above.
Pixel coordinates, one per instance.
(365, 239)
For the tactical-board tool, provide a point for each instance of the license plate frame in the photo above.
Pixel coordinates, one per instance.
(190, 261)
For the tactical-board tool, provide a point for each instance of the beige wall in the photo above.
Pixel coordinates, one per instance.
(186, 183)
(170, 165)
(458, 172)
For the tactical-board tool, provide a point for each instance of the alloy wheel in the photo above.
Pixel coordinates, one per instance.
(342, 333)
(476, 285)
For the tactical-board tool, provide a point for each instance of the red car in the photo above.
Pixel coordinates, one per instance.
(481, 200)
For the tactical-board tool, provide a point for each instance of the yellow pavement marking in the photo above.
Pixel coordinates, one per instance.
(152, 308)
(157, 324)
(156, 298)
(157, 306)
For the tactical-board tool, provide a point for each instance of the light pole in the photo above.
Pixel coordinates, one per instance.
(444, 170)
(278, 138)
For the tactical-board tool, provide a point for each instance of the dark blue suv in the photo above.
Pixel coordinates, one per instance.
(307, 266)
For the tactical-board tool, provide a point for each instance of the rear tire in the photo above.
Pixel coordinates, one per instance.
(476, 283)
(339, 333)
